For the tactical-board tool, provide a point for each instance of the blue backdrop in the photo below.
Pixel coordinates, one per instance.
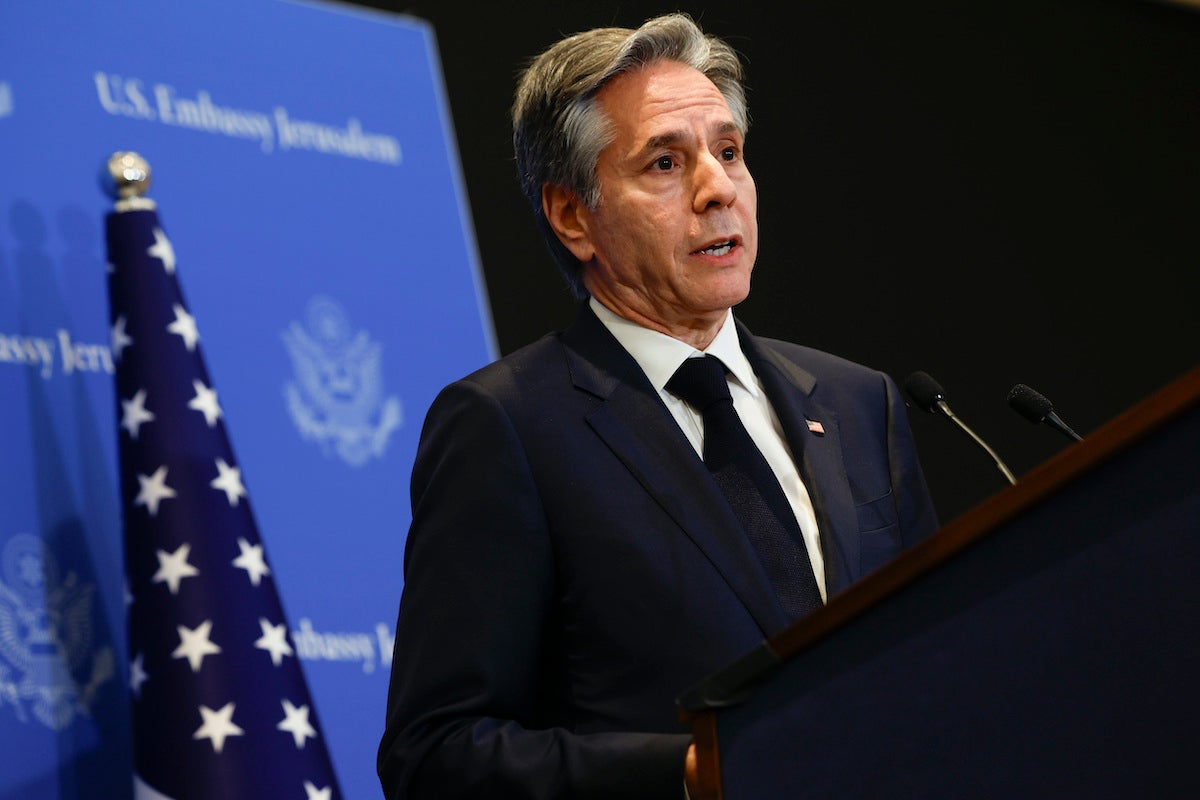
(305, 171)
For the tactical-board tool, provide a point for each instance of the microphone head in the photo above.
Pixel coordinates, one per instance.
(924, 390)
(1029, 403)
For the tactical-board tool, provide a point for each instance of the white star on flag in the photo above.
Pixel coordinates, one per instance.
(229, 481)
(313, 793)
(295, 722)
(134, 413)
(205, 402)
(184, 326)
(274, 641)
(119, 339)
(163, 251)
(153, 490)
(194, 644)
(137, 675)
(217, 726)
(252, 560)
(174, 567)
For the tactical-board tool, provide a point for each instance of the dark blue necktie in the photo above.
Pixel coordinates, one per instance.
(749, 484)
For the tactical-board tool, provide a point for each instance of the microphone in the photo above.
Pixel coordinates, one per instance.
(1037, 409)
(929, 396)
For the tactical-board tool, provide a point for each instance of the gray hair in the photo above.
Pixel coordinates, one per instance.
(559, 130)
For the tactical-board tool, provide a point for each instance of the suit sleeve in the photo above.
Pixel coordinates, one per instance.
(477, 701)
(915, 508)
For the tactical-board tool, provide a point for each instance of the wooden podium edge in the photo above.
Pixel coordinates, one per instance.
(700, 704)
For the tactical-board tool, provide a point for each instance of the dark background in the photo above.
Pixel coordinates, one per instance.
(994, 191)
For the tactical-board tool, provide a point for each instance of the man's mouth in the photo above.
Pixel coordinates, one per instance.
(718, 249)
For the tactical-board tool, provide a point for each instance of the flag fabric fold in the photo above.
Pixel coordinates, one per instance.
(220, 704)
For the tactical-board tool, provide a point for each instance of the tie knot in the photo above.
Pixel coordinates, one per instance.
(700, 382)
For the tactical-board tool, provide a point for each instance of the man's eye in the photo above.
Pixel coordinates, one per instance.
(664, 163)
(729, 154)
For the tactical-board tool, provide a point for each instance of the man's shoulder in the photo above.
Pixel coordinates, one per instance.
(819, 362)
(537, 360)
(834, 378)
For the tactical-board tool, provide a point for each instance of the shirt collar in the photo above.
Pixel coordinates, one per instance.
(659, 355)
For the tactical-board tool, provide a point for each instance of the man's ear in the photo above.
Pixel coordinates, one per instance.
(565, 212)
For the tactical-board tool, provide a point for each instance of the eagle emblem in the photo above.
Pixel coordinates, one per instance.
(49, 666)
(337, 397)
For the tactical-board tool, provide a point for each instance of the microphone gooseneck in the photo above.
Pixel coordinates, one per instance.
(927, 393)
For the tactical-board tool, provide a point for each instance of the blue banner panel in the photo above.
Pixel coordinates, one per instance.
(307, 181)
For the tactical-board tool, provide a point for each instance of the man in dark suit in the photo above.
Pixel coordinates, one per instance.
(573, 565)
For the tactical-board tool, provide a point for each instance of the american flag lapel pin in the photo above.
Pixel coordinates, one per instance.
(815, 427)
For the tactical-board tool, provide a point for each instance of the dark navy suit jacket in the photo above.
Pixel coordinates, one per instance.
(572, 567)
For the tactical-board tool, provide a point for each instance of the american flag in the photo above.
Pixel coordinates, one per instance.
(220, 704)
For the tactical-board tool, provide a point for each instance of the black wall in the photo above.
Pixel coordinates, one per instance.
(996, 191)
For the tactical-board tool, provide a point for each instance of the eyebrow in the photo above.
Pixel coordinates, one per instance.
(671, 137)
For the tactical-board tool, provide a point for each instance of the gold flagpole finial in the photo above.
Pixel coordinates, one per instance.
(130, 176)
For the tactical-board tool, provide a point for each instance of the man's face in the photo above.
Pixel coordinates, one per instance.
(675, 235)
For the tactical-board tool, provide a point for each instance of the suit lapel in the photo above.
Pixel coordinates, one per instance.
(819, 457)
(636, 426)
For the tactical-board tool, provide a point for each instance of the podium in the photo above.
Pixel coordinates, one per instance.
(1046, 644)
